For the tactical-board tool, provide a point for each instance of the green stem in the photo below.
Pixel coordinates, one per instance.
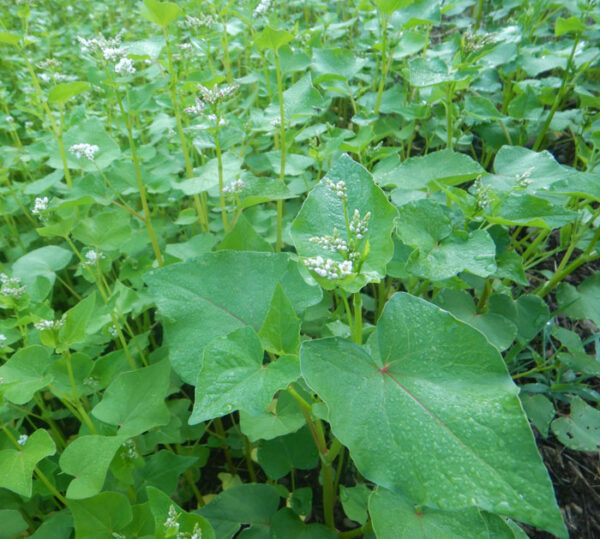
(357, 304)
(558, 98)
(220, 172)
(365, 528)
(283, 149)
(384, 63)
(449, 95)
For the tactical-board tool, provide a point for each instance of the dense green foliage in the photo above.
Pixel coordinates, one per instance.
(276, 266)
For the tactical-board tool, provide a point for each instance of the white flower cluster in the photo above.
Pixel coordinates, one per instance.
(334, 243)
(130, 452)
(328, 268)
(171, 522)
(262, 8)
(216, 95)
(124, 66)
(234, 187)
(22, 439)
(92, 383)
(106, 46)
(40, 204)
(360, 226)
(47, 325)
(523, 179)
(213, 118)
(113, 330)
(195, 109)
(11, 286)
(196, 22)
(482, 193)
(3, 339)
(338, 188)
(9, 119)
(91, 257)
(84, 149)
(56, 77)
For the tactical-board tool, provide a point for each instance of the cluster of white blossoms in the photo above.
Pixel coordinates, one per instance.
(213, 118)
(523, 178)
(111, 50)
(216, 95)
(11, 286)
(195, 109)
(22, 439)
(124, 66)
(84, 150)
(360, 226)
(262, 8)
(47, 325)
(334, 243)
(113, 330)
(329, 268)
(40, 204)
(130, 452)
(172, 527)
(234, 187)
(3, 339)
(91, 257)
(197, 22)
(482, 194)
(339, 189)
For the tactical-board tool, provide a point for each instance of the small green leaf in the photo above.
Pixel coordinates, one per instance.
(8, 38)
(160, 13)
(88, 458)
(354, 501)
(162, 470)
(581, 302)
(161, 504)
(243, 237)
(252, 504)
(285, 419)
(16, 466)
(540, 411)
(581, 430)
(101, 516)
(134, 401)
(61, 93)
(272, 39)
(234, 377)
(280, 456)
(280, 332)
(74, 329)
(567, 26)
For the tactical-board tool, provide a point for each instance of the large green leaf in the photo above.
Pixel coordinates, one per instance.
(135, 400)
(323, 211)
(101, 516)
(233, 376)
(395, 517)
(88, 458)
(443, 250)
(581, 302)
(340, 62)
(16, 466)
(272, 39)
(45, 261)
(210, 296)
(445, 167)
(432, 412)
(25, 373)
(301, 101)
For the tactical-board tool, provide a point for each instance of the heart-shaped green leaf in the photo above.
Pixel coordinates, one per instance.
(234, 377)
(431, 403)
(210, 296)
(16, 466)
